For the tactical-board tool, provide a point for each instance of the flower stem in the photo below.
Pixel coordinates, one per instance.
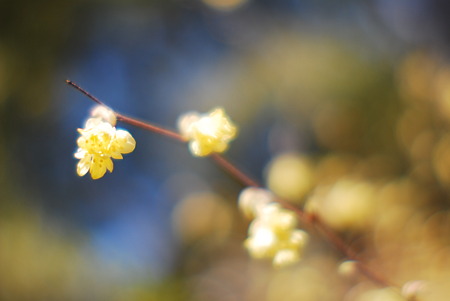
(132, 121)
(345, 249)
(92, 97)
(234, 171)
(150, 127)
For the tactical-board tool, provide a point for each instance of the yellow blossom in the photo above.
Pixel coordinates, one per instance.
(262, 242)
(278, 218)
(271, 237)
(207, 133)
(273, 233)
(285, 257)
(98, 143)
(253, 199)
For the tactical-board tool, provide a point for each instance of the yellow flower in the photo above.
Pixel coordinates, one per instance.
(273, 233)
(208, 133)
(98, 143)
(283, 246)
(252, 200)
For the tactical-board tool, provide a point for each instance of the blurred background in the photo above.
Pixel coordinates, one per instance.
(343, 107)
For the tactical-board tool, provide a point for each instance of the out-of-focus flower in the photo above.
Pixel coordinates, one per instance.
(348, 204)
(207, 133)
(385, 294)
(412, 290)
(273, 233)
(290, 176)
(105, 114)
(225, 5)
(204, 217)
(348, 268)
(99, 142)
(253, 199)
(286, 257)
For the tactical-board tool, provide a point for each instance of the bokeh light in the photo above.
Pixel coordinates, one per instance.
(225, 5)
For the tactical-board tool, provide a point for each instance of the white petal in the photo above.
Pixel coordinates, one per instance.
(124, 141)
(185, 123)
(92, 123)
(84, 165)
(285, 257)
(105, 114)
(80, 153)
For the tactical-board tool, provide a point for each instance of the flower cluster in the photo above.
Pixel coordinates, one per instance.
(99, 142)
(207, 133)
(272, 233)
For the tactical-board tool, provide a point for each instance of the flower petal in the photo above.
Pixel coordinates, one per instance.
(98, 167)
(80, 153)
(125, 142)
(105, 114)
(116, 155)
(109, 164)
(185, 123)
(84, 165)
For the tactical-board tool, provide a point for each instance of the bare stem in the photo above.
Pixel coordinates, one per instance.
(150, 127)
(234, 171)
(92, 97)
(345, 249)
(313, 220)
(307, 218)
(132, 121)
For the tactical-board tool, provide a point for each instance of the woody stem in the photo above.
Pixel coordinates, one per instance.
(307, 218)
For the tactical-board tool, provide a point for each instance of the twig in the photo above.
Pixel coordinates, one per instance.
(149, 127)
(307, 218)
(92, 97)
(234, 171)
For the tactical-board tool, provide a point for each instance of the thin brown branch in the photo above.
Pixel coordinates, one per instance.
(307, 218)
(92, 97)
(132, 121)
(150, 127)
(347, 251)
(234, 171)
(339, 244)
